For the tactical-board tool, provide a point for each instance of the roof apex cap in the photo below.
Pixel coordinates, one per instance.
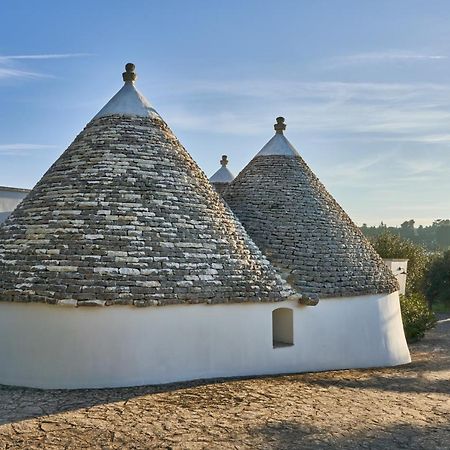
(280, 126)
(129, 76)
(224, 160)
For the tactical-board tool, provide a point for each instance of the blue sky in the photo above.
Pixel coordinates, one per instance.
(364, 87)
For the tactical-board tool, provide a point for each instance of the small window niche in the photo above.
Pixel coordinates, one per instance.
(282, 327)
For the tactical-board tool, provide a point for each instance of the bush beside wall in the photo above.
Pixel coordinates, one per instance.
(416, 315)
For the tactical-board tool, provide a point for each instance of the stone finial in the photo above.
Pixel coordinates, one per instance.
(224, 161)
(129, 76)
(280, 126)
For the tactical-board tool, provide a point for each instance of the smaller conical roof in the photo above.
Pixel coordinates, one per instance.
(301, 228)
(223, 177)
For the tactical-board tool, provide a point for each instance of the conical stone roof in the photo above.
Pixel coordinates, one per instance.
(223, 177)
(301, 228)
(125, 216)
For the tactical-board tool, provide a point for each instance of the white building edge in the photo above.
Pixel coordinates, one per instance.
(54, 346)
(10, 197)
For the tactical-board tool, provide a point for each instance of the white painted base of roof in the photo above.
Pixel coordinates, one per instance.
(48, 346)
(223, 175)
(128, 101)
(278, 145)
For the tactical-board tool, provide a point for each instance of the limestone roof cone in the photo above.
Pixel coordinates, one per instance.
(223, 177)
(125, 216)
(301, 228)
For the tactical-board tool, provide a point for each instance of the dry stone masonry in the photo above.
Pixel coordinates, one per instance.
(125, 216)
(301, 228)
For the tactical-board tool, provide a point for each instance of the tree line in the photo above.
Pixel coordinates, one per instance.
(434, 237)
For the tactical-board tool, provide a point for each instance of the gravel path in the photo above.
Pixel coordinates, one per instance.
(405, 407)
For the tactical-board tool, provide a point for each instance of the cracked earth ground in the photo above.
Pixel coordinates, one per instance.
(405, 407)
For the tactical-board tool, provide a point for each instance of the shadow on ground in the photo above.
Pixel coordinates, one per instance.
(408, 378)
(31, 403)
(288, 435)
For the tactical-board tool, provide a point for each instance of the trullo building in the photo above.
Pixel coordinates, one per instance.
(123, 266)
(223, 177)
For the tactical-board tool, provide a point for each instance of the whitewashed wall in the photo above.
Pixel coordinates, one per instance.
(63, 347)
(399, 268)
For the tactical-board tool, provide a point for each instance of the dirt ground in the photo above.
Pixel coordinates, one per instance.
(406, 407)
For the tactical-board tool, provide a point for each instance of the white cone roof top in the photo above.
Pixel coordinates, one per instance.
(128, 101)
(278, 145)
(223, 175)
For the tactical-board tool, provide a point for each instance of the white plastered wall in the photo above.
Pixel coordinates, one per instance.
(399, 268)
(9, 199)
(64, 347)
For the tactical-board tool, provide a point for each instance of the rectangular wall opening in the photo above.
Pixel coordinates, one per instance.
(282, 327)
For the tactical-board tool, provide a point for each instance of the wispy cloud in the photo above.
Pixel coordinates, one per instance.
(358, 167)
(4, 58)
(423, 166)
(8, 69)
(391, 56)
(16, 73)
(373, 136)
(21, 149)
(410, 112)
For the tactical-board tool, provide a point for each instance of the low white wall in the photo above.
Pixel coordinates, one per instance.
(63, 347)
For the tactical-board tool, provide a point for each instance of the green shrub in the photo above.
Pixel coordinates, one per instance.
(437, 281)
(390, 245)
(417, 317)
